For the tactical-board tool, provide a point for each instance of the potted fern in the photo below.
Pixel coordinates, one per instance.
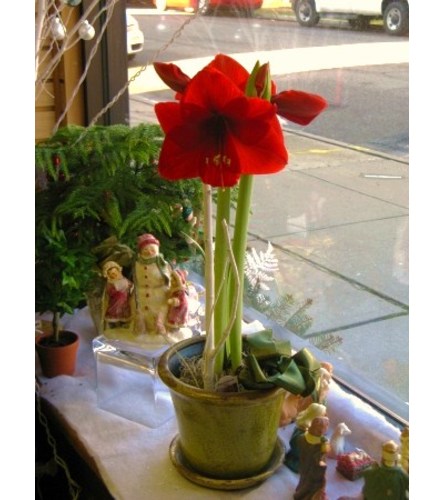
(228, 389)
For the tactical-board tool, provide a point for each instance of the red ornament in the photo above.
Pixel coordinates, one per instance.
(56, 160)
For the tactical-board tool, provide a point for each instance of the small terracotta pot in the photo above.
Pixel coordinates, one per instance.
(58, 359)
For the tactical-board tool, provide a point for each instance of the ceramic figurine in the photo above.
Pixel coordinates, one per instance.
(303, 422)
(295, 404)
(338, 440)
(178, 300)
(387, 480)
(404, 449)
(326, 370)
(152, 281)
(313, 447)
(291, 407)
(117, 302)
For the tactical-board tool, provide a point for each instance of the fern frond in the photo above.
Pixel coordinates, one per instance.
(260, 267)
(79, 204)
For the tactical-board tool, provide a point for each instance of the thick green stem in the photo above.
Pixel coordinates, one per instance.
(239, 250)
(221, 316)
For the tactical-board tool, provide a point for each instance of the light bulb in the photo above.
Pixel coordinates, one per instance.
(86, 31)
(58, 30)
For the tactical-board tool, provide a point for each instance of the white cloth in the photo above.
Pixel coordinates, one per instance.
(133, 459)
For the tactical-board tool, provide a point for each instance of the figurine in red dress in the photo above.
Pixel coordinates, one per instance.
(178, 300)
(118, 309)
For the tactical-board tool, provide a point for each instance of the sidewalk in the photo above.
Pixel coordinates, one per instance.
(337, 218)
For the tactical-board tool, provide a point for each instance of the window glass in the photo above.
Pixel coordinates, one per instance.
(336, 219)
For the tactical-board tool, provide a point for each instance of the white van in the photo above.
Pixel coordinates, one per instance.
(395, 13)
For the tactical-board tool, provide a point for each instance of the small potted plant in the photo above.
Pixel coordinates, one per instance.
(61, 277)
(224, 130)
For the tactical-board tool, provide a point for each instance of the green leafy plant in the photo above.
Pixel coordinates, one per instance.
(62, 274)
(102, 181)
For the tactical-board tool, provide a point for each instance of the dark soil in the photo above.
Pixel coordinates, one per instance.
(65, 338)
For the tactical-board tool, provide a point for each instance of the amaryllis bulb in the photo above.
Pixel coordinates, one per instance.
(86, 31)
(58, 30)
(72, 3)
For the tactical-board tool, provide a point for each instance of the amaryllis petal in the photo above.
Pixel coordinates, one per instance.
(172, 76)
(267, 157)
(200, 92)
(232, 69)
(299, 107)
(169, 115)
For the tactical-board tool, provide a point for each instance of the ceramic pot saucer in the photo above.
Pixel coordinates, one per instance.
(184, 468)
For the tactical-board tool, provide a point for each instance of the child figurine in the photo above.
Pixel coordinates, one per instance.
(152, 281)
(303, 422)
(313, 447)
(178, 300)
(117, 302)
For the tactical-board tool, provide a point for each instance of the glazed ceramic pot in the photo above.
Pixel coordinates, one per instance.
(58, 359)
(228, 436)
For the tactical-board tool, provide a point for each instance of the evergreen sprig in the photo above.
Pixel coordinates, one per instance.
(102, 181)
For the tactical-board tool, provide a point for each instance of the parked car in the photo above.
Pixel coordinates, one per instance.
(135, 37)
(394, 13)
(207, 6)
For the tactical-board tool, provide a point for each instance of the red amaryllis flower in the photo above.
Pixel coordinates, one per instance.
(294, 105)
(217, 133)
